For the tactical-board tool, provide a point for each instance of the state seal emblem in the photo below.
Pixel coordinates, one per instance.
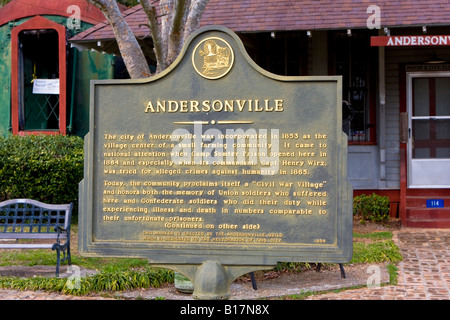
(213, 58)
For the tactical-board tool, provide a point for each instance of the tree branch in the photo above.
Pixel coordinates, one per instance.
(176, 30)
(129, 47)
(101, 4)
(166, 10)
(193, 20)
(155, 30)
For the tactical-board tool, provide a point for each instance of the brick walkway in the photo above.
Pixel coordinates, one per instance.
(424, 273)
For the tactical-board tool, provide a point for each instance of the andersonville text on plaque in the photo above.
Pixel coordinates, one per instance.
(218, 159)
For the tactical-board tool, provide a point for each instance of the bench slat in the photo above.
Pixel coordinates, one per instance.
(26, 246)
(31, 236)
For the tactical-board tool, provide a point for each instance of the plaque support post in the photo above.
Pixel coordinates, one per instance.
(211, 279)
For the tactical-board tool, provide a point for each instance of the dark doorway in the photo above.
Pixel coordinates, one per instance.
(38, 66)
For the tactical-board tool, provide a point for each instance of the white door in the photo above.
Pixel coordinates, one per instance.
(429, 129)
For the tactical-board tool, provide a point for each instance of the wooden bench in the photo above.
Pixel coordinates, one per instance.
(31, 219)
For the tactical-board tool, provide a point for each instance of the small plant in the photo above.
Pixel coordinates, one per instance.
(373, 207)
(393, 274)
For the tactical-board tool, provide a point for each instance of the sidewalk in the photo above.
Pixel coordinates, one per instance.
(424, 273)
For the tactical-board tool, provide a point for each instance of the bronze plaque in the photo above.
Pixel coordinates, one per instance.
(217, 159)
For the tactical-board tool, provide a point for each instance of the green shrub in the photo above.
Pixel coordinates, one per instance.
(46, 168)
(372, 208)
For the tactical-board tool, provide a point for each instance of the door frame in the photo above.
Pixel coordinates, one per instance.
(34, 23)
(410, 76)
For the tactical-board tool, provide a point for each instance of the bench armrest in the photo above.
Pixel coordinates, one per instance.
(60, 230)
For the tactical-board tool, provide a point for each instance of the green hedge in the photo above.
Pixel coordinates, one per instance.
(44, 168)
(373, 207)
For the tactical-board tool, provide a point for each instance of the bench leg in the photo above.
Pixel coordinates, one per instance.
(58, 260)
(68, 256)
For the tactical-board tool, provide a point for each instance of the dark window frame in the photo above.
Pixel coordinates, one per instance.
(352, 57)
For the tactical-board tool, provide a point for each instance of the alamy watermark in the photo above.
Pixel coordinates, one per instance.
(74, 21)
(232, 147)
(374, 280)
(74, 280)
(374, 20)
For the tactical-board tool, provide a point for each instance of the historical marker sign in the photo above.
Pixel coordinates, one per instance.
(218, 160)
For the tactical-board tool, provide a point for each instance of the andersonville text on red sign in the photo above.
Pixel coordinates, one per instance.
(422, 40)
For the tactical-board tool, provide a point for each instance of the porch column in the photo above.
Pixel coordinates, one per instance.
(382, 115)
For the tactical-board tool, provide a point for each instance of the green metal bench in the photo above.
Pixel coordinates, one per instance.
(31, 219)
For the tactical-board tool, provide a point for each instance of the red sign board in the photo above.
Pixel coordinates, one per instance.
(402, 41)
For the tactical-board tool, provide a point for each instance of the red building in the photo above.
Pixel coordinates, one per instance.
(45, 82)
